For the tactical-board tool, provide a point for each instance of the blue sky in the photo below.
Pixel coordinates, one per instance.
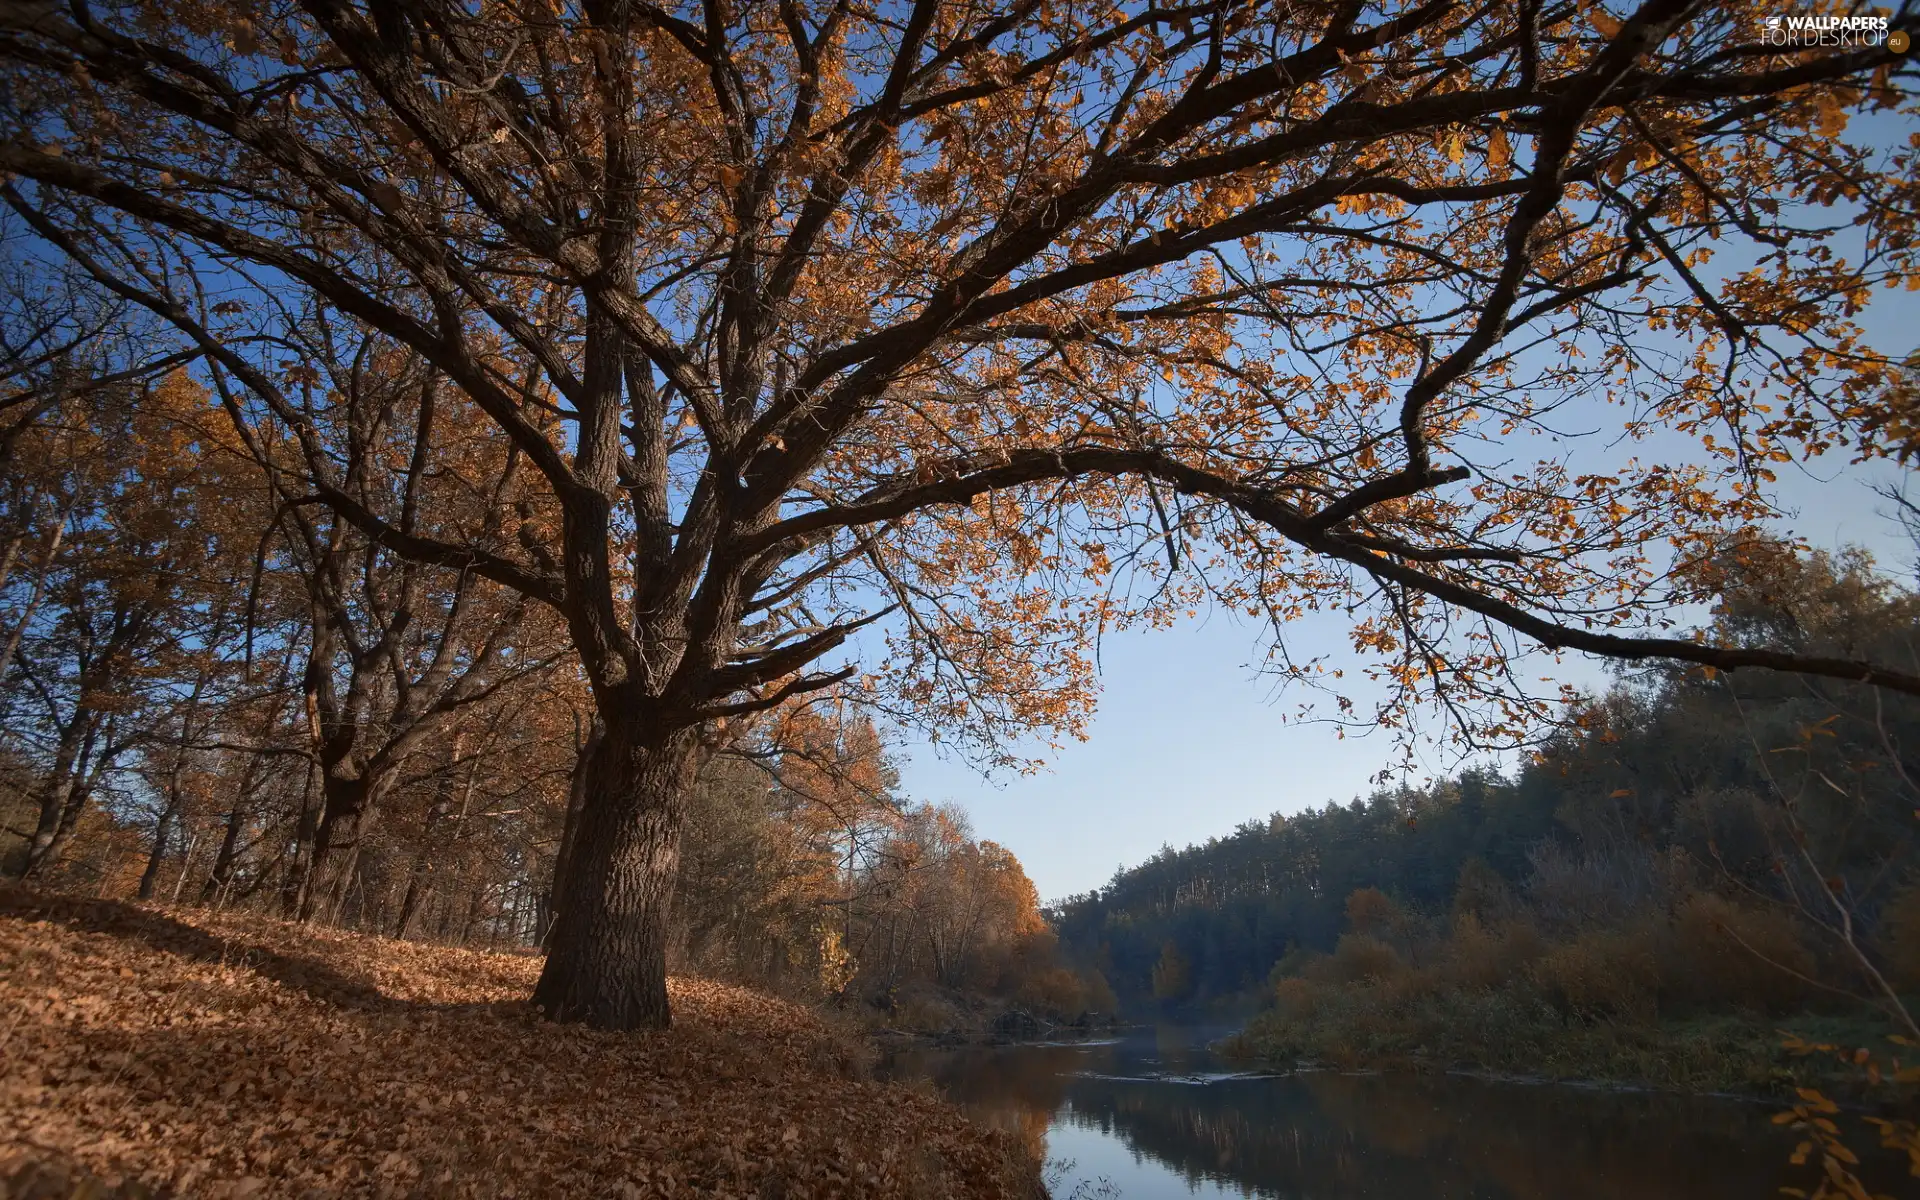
(1190, 741)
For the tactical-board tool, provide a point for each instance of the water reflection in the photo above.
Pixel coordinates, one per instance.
(1158, 1116)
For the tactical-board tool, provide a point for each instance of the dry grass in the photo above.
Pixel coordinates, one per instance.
(181, 1054)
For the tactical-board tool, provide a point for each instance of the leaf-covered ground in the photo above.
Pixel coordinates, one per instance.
(173, 1053)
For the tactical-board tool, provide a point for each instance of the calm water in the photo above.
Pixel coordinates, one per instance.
(1155, 1115)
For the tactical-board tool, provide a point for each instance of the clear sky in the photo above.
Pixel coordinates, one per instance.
(1190, 741)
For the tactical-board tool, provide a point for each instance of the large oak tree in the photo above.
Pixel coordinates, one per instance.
(952, 321)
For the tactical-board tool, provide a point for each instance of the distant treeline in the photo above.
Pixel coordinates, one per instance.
(1776, 792)
(1213, 919)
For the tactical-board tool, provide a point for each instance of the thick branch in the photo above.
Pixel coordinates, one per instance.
(894, 501)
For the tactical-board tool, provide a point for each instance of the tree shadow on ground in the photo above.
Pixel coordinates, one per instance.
(161, 932)
(37, 1173)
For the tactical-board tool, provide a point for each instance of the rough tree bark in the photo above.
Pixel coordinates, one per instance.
(606, 960)
(570, 824)
(293, 888)
(350, 803)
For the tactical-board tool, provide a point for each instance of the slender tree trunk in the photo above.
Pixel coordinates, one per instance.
(271, 869)
(893, 954)
(293, 894)
(473, 912)
(606, 962)
(346, 817)
(69, 821)
(542, 916)
(53, 795)
(224, 858)
(570, 826)
(410, 903)
(417, 885)
(417, 873)
(163, 828)
(186, 865)
(161, 831)
(13, 552)
(65, 794)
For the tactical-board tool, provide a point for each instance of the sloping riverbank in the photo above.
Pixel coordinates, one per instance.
(185, 1054)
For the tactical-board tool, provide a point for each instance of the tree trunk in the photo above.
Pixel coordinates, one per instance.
(346, 877)
(410, 903)
(570, 825)
(186, 864)
(69, 822)
(346, 817)
(293, 892)
(64, 795)
(606, 962)
(228, 856)
(542, 916)
(474, 896)
(161, 829)
(13, 546)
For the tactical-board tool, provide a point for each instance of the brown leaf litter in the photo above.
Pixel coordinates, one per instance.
(175, 1053)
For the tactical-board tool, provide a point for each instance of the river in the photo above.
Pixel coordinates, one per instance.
(1154, 1114)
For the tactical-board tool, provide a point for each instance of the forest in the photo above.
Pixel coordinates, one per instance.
(212, 700)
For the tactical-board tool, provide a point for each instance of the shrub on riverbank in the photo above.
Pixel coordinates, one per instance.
(242, 1057)
(1507, 1032)
(1692, 994)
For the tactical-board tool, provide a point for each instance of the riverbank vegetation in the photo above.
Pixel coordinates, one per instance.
(176, 1052)
(1661, 1002)
(1694, 864)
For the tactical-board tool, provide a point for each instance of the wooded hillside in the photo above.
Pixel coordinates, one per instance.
(1784, 809)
